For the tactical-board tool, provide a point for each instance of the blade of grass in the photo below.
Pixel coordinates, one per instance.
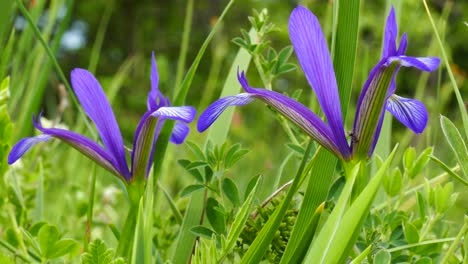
(39, 200)
(97, 44)
(323, 243)
(184, 46)
(138, 251)
(6, 17)
(6, 54)
(461, 104)
(333, 247)
(449, 171)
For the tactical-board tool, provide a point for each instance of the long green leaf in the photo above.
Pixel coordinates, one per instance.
(323, 243)
(349, 226)
(456, 142)
(138, 250)
(449, 171)
(317, 190)
(345, 48)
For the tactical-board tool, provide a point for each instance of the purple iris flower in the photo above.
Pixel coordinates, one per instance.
(311, 49)
(111, 155)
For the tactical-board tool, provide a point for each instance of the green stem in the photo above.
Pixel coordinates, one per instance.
(13, 250)
(455, 243)
(262, 74)
(38, 34)
(429, 226)
(128, 231)
(184, 46)
(460, 101)
(89, 221)
(429, 242)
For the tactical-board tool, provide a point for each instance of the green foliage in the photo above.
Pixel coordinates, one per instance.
(6, 127)
(256, 222)
(99, 254)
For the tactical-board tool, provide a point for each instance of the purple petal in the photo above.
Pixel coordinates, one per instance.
(155, 97)
(403, 45)
(96, 105)
(299, 115)
(411, 113)
(181, 113)
(391, 33)
(422, 63)
(179, 133)
(24, 145)
(86, 146)
(312, 52)
(213, 111)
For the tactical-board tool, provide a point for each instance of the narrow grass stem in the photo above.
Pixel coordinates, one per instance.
(428, 242)
(184, 45)
(271, 197)
(89, 221)
(461, 104)
(15, 252)
(455, 243)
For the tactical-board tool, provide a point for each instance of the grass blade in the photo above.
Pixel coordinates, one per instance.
(461, 104)
(184, 45)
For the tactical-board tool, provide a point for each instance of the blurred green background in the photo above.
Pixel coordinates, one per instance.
(114, 39)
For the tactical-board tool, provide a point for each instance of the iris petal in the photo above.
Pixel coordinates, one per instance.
(86, 146)
(179, 133)
(422, 63)
(411, 113)
(213, 111)
(155, 97)
(24, 145)
(299, 115)
(181, 113)
(391, 32)
(312, 52)
(96, 105)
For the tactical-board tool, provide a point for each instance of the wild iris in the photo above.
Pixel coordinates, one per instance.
(112, 155)
(313, 55)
